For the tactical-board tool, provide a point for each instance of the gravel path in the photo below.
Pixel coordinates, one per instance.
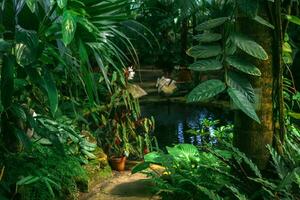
(122, 186)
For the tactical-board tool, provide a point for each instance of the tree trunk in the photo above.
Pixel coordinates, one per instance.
(250, 137)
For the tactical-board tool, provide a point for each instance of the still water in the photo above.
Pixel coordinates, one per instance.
(172, 120)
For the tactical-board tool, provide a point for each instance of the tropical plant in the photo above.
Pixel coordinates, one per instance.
(223, 172)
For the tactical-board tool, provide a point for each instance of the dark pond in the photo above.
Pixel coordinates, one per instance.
(172, 120)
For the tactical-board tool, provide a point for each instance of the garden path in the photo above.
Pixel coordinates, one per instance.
(122, 186)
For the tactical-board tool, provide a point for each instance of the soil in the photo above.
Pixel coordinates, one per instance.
(122, 186)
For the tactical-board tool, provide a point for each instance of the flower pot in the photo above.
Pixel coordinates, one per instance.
(118, 163)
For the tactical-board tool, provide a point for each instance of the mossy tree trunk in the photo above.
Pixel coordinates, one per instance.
(250, 137)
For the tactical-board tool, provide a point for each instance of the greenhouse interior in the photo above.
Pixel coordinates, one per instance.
(149, 100)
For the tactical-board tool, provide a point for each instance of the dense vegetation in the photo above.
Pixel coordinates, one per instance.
(66, 94)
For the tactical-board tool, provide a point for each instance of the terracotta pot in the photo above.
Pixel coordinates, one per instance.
(118, 163)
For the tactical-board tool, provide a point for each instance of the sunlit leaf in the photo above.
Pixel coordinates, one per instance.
(293, 19)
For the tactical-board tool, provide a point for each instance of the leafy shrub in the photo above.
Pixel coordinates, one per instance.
(224, 172)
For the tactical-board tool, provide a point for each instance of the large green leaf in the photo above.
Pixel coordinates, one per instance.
(69, 24)
(208, 37)
(243, 66)
(242, 84)
(184, 152)
(212, 23)
(241, 101)
(204, 51)
(206, 65)
(250, 47)
(206, 90)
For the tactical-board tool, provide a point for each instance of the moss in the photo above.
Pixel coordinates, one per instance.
(97, 170)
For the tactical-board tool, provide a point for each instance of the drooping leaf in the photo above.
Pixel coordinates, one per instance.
(263, 22)
(206, 90)
(31, 5)
(69, 24)
(242, 84)
(250, 47)
(212, 23)
(206, 65)
(241, 101)
(204, 51)
(243, 66)
(62, 3)
(208, 37)
(250, 8)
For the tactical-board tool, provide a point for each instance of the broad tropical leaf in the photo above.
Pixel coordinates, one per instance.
(204, 51)
(243, 66)
(206, 90)
(208, 37)
(241, 101)
(212, 23)
(250, 47)
(184, 152)
(242, 84)
(69, 24)
(206, 65)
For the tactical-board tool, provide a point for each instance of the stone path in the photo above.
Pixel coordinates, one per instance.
(122, 186)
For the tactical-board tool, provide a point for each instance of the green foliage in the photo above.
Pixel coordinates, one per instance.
(223, 172)
(227, 51)
(206, 90)
(48, 175)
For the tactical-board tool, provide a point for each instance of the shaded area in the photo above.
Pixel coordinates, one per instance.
(122, 186)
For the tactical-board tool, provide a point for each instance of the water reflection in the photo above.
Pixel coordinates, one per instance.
(174, 119)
